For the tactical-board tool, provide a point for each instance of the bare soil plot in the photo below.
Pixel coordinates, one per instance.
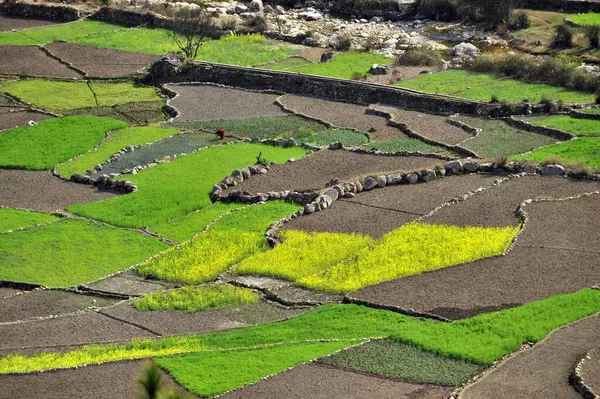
(345, 115)
(6, 292)
(139, 113)
(109, 380)
(399, 73)
(316, 170)
(204, 102)
(43, 192)
(31, 61)
(43, 303)
(542, 371)
(101, 62)
(83, 328)
(379, 211)
(590, 372)
(433, 127)
(9, 23)
(13, 117)
(321, 382)
(127, 283)
(525, 274)
(177, 322)
(497, 205)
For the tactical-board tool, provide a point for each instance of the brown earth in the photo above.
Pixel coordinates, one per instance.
(9, 23)
(31, 61)
(398, 74)
(541, 372)
(433, 127)
(379, 211)
(321, 382)
(43, 192)
(590, 372)
(101, 62)
(128, 283)
(42, 303)
(316, 170)
(13, 117)
(344, 115)
(177, 322)
(5, 292)
(204, 102)
(497, 206)
(104, 381)
(525, 274)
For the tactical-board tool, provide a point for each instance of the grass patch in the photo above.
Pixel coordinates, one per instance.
(581, 151)
(212, 373)
(498, 138)
(577, 126)
(446, 82)
(69, 32)
(194, 299)
(286, 64)
(413, 248)
(165, 193)
(405, 145)
(482, 339)
(60, 96)
(118, 140)
(231, 239)
(52, 141)
(135, 114)
(274, 127)
(593, 111)
(344, 65)
(390, 358)
(302, 254)
(13, 219)
(71, 252)
(585, 19)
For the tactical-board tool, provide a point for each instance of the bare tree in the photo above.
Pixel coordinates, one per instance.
(190, 28)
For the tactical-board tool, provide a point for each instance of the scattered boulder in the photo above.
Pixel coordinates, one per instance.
(381, 181)
(256, 6)
(237, 176)
(470, 166)
(377, 69)
(453, 167)
(311, 15)
(369, 183)
(552, 170)
(240, 8)
(465, 49)
(309, 208)
(279, 10)
(428, 175)
(394, 179)
(411, 178)
(328, 56)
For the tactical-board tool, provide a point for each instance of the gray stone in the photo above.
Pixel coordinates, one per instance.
(332, 193)
(394, 179)
(411, 178)
(529, 168)
(237, 176)
(486, 167)
(311, 15)
(464, 49)
(246, 173)
(359, 186)
(309, 208)
(453, 167)
(328, 56)
(369, 183)
(240, 8)
(255, 139)
(552, 170)
(428, 175)
(256, 6)
(470, 166)
(381, 181)
(377, 69)
(228, 181)
(279, 10)
(268, 9)
(340, 190)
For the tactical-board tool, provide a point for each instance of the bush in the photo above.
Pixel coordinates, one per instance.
(563, 37)
(372, 42)
(519, 20)
(439, 10)
(228, 22)
(343, 42)
(257, 24)
(423, 56)
(592, 33)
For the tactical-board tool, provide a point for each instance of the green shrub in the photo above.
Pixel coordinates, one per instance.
(439, 10)
(420, 56)
(563, 37)
(592, 33)
(343, 42)
(519, 20)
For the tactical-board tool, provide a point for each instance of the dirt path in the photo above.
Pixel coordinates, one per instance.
(542, 371)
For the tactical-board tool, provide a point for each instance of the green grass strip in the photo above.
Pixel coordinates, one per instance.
(117, 141)
(194, 299)
(303, 254)
(212, 373)
(446, 82)
(13, 219)
(581, 151)
(577, 126)
(413, 248)
(405, 145)
(590, 18)
(52, 141)
(344, 65)
(61, 96)
(234, 237)
(71, 252)
(482, 339)
(68, 32)
(170, 190)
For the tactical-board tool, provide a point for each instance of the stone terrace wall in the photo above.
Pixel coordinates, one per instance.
(164, 71)
(571, 6)
(41, 11)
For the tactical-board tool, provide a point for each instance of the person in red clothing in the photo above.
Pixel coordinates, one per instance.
(221, 133)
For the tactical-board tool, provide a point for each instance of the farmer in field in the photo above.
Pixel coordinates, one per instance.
(220, 133)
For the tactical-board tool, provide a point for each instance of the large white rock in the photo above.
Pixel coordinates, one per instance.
(464, 49)
(240, 8)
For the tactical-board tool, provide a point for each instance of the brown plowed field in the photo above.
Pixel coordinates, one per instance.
(13, 117)
(101, 62)
(8, 23)
(321, 382)
(31, 61)
(43, 192)
(315, 171)
(204, 102)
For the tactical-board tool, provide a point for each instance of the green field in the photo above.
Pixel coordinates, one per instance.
(117, 141)
(52, 141)
(69, 32)
(165, 191)
(194, 299)
(234, 237)
(71, 252)
(405, 145)
(577, 126)
(413, 248)
(344, 65)
(585, 19)
(483, 87)
(14, 219)
(581, 151)
(59, 96)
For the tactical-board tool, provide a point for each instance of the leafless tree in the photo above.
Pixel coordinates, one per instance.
(189, 30)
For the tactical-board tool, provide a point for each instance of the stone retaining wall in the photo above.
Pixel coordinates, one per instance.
(41, 11)
(546, 131)
(166, 71)
(583, 115)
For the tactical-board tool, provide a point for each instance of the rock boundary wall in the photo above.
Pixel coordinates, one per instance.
(47, 12)
(577, 380)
